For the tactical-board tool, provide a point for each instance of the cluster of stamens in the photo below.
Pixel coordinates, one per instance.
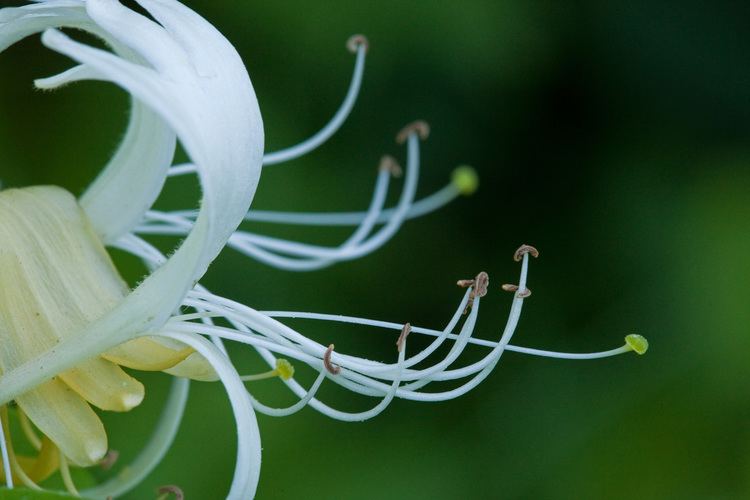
(198, 333)
(271, 338)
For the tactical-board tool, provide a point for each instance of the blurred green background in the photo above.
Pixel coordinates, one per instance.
(613, 136)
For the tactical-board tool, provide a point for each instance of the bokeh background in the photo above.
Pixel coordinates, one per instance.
(611, 135)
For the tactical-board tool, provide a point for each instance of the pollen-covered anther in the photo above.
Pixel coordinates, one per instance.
(524, 293)
(419, 127)
(508, 287)
(479, 285)
(523, 250)
(389, 164)
(333, 369)
(170, 489)
(109, 460)
(356, 41)
(405, 331)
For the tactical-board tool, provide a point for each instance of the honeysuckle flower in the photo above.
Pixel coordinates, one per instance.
(68, 322)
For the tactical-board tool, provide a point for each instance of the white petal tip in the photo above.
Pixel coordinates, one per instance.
(74, 74)
(49, 83)
(52, 36)
(130, 401)
(95, 450)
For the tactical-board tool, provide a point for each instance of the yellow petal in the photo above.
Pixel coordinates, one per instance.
(62, 415)
(36, 468)
(104, 385)
(44, 465)
(57, 278)
(148, 354)
(194, 367)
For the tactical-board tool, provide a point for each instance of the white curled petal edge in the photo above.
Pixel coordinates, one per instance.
(247, 467)
(217, 119)
(131, 181)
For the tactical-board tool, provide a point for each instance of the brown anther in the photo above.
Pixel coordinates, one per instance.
(171, 488)
(479, 284)
(405, 331)
(389, 164)
(419, 127)
(525, 249)
(335, 370)
(509, 288)
(356, 41)
(109, 459)
(523, 294)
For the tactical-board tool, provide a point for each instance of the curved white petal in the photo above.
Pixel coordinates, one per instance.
(247, 468)
(74, 74)
(16, 23)
(144, 37)
(215, 114)
(133, 178)
(151, 455)
(119, 197)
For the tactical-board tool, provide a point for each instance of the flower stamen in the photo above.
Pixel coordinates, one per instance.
(170, 489)
(28, 430)
(12, 459)
(188, 83)
(66, 477)
(355, 42)
(109, 460)
(479, 287)
(464, 181)
(333, 369)
(419, 127)
(526, 292)
(4, 450)
(389, 164)
(405, 331)
(523, 250)
(297, 256)
(284, 370)
(358, 45)
(637, 343)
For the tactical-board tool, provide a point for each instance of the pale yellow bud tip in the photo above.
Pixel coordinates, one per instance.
(465, 179)
(284, 368)
(637, 343)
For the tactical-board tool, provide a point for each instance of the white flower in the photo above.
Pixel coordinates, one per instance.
(67, 320)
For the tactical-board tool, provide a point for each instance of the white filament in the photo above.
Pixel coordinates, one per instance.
(6, 458)
(291, 255)
(419, 208)
(321, 136)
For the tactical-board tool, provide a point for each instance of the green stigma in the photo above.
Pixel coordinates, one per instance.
(638, 343)
(284, 369)
(465, 179)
